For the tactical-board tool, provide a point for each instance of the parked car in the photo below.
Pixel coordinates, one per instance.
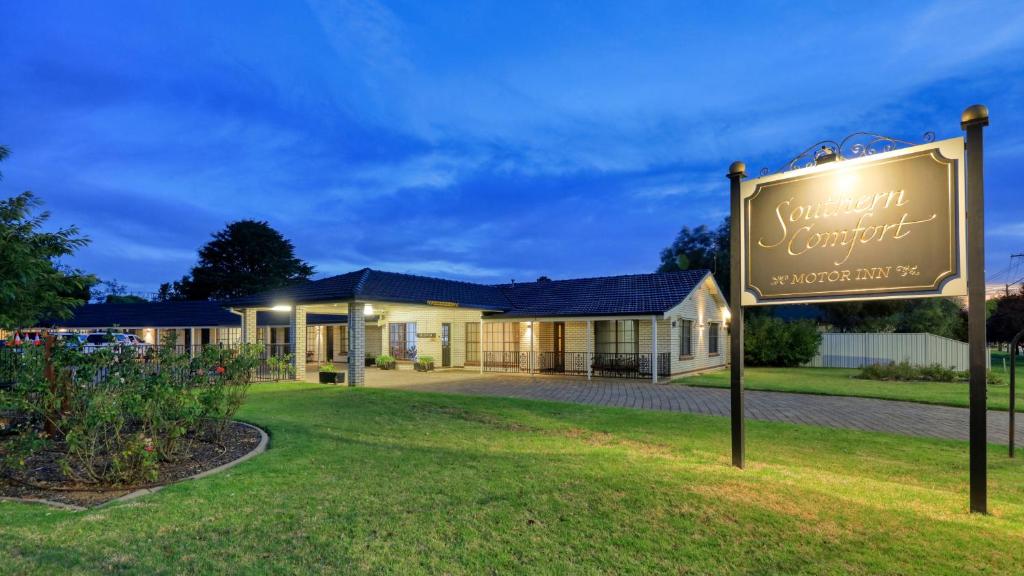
(70, 339)
(98, 340)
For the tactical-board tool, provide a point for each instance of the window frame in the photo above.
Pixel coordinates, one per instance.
(686, 339)
(715, 335)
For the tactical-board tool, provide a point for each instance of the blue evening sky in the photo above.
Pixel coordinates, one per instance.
(477, 140)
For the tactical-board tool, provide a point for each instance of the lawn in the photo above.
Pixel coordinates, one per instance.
(389, 482)
(841, 382)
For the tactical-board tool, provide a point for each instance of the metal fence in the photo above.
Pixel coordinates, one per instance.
(275, 363)
(854, 350)
(605, 365)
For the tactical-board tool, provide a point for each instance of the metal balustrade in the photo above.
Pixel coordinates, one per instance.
(603, 365)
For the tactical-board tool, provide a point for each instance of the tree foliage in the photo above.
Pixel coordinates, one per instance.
(244, 258)
(939, 316)
(700, 248)
(34, 285)
(1007, 319)
(771, 341)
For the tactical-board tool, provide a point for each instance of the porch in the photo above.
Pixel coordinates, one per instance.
(625, 347)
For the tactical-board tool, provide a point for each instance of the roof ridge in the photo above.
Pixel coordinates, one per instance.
(363, 276)
(424, 277)
(702, 270)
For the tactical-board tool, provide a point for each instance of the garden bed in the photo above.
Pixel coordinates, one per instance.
(44, 481)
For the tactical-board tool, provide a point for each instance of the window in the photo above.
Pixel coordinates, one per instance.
(502, 340)
(402, 339)
(714, 329)
(473, 343)
(616, 336)
(685, 339)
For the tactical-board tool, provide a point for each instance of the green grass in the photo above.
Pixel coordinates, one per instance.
(388, 482)
(841, 382)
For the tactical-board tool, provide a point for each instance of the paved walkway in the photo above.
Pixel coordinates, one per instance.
(832, 411)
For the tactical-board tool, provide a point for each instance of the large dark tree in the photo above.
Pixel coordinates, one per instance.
(34, 285)
(700, 247)
(1007, 319)
(246, 257)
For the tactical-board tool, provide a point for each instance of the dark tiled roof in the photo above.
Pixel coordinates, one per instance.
(611, 295)
(605, 296)
(367, 284)
(174, 315)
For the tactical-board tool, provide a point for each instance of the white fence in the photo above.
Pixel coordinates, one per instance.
(852, 350)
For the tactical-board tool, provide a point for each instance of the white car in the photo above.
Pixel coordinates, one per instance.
(98, 340)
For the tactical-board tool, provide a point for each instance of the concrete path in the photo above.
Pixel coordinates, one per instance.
(832, 411)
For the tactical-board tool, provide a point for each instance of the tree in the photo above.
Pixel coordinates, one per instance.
(34, 285)
(246, 257)
(113, 292)
(1007, 319)
(771, 341)
(700, 247)
(939, 316)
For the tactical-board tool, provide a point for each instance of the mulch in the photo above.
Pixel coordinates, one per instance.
(42, 478)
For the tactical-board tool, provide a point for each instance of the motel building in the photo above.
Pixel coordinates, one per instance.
(651, 326)
(191, 325)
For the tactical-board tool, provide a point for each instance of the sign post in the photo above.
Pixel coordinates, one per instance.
(885, 219)
(973, 120)
(737, 171)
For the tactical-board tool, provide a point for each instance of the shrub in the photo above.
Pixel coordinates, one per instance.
(907, 372)
(328, 367)
(425, 360)
(385, 360)
(282, 365)
(770, 341)
(112, 416)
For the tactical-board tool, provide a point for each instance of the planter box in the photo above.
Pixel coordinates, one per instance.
(420, 367)
(387, 366)
(332, 377)
(371, 361)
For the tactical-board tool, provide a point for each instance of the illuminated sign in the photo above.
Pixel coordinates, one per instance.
(881, 226)
(443, 303)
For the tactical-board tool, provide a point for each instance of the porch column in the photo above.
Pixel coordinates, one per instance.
(156, 337)
(533, 335)
(356, 344)
(589, 356)
(480, 345)
(249, 325)
(192, 339)
(654, 349)
(297, 347)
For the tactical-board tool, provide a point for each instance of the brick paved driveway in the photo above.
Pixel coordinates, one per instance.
(832, 411)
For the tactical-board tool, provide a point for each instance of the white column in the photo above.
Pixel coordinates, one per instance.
(193, 341)
(533, 334)
(356, 344)
(297, 333)
(156, 337)
(589, 356)
(654, 349)
(480, 345)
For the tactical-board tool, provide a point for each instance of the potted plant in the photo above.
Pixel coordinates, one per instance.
(424, 364)
(385, 362)
(329, 374)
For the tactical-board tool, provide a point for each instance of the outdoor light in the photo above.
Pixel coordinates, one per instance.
(726, 314)
(281, 308)
(367, 309)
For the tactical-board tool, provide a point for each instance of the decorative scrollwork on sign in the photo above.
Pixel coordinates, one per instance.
(856, 145)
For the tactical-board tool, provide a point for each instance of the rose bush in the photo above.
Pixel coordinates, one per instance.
(113, 415)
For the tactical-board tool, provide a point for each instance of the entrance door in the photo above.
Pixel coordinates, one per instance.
(330, 342)
(446, 345)
(559, 346)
